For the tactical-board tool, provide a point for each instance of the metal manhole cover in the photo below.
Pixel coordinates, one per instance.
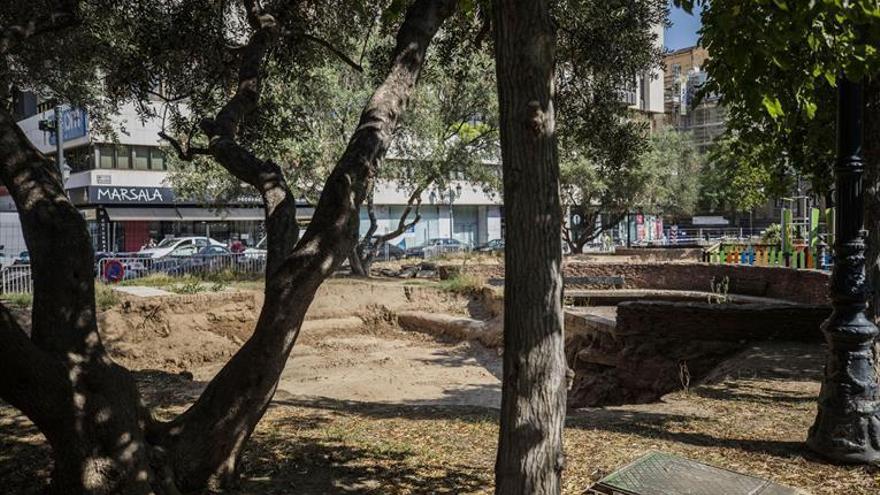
(657, 473)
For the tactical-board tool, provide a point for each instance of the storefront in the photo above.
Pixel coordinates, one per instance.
(124, 219)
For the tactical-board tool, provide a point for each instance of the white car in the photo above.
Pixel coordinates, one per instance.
(257, 252)
(178, 244)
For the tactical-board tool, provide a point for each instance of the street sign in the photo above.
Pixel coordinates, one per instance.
(74, 124)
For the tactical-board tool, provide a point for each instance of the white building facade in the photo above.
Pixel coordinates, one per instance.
(121, 186)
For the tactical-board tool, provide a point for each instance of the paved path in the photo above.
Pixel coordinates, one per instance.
(139, 291)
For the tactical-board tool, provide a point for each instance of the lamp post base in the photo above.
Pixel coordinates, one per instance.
(847, 426)
(847, 438)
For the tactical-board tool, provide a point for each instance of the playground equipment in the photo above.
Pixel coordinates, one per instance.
(804, 242)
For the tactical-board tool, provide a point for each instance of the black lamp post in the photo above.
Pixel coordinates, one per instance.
(847, 426)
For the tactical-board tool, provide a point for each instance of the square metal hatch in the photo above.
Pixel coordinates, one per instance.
(657, 473)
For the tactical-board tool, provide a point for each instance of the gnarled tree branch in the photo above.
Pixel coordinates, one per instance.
(65, 16)
(236, 398)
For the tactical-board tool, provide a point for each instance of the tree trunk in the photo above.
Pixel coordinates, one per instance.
(530, 457)
(366, 251)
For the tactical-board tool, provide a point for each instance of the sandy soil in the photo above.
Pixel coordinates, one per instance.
(392, 367)
(347, 348)
(364, 407)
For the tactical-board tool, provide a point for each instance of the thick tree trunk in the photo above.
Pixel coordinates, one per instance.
(530, 456)
(61, 377)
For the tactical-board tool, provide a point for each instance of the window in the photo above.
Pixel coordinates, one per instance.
(141, 157)
(105, 154)
(123, 156)
(157, 159)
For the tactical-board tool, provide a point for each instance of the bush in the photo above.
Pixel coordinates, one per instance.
(105, 297)
(19, 299)
(463, 283)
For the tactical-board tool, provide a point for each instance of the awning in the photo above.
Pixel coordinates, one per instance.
(196, 214)
(143, 214)
(221, 214)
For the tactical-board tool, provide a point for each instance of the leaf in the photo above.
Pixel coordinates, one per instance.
(810, 109)
(773, 106)
(831, 77)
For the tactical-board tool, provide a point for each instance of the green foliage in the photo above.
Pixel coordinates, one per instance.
(737, 176)
(775, 66)
(18, 299)
(193, 286)
(772, 235)
(672, 166)
(602, 45)
(463, 283)
(105, 297)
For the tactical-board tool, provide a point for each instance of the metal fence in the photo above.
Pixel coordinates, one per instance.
(441, 249)
(116, 269)
(16, 279)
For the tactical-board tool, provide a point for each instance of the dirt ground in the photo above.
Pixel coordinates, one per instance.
(365, 407)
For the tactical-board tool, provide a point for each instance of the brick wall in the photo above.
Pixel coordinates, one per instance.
(787, 284)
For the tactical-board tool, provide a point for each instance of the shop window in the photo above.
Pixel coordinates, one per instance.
(141, 157)
(123, 156)
(105, 153)
(157, 159)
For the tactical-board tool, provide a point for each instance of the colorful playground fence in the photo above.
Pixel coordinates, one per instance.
(767, 255)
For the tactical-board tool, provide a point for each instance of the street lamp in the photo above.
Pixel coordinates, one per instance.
(847, 426)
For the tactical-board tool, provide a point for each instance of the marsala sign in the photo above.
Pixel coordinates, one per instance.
(130, 195)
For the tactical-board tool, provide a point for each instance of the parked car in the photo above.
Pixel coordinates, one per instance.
(178, 244)
(257, 252)
(24, 258)
(493, 246)
(188, 259)
(388, 251)
(436, 246)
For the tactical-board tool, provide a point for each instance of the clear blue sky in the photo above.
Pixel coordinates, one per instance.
(683, 31)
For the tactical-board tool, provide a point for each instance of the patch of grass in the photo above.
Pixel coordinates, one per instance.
(158, 280)
(193, 286)
(22, 300)
(219, 280)
(105, 297)
(463, 283)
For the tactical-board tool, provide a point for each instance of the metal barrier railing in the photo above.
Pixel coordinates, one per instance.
(116, 269)
(439, 250)
(16, 279)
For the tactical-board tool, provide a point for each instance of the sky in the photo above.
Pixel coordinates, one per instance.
(683, 31)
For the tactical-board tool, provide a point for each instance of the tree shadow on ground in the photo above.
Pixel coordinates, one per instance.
(327, 465)
(773, 361)
(25, 456)
(732, 391)
(667, 427)
(416, 410)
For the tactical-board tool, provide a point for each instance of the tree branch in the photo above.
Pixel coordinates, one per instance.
(235, 400)
(187, 154)
(65, 16)
(338, 53)
(33, 381)
(402, 226)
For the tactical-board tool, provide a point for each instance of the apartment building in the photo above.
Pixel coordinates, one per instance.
(684, 75)
(120, 184)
